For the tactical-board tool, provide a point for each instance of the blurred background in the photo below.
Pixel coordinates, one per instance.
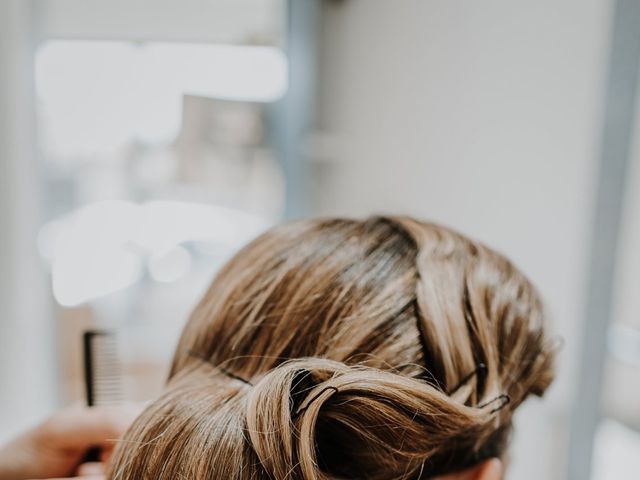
(142, 142)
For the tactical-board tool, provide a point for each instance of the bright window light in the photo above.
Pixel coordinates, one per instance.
(171, 266)
(102, 248)
(96, 95)
(91, 256)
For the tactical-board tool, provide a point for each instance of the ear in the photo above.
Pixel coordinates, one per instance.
(488, 470)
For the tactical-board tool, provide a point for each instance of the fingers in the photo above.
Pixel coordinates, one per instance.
(90, 469)
(87, 471)
(92, 477)
(83, 427)
(54, 449)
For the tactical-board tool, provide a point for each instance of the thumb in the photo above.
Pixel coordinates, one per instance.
(82, 427)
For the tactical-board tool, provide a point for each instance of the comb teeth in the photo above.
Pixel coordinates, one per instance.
(103, 370)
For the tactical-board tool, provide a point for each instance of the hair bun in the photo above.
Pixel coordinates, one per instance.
(318, 419)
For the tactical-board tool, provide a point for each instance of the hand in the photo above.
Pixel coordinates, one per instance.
(87, 471)
(56, 447)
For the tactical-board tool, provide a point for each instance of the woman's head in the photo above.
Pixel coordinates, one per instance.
(380, 349)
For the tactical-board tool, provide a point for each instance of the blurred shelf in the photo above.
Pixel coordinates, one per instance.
(220, 21)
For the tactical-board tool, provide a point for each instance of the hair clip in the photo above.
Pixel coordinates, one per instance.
(229, 374)
(481, 369)
(506, 399)
(315, 397)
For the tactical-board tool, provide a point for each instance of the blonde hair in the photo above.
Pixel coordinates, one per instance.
(382, 349)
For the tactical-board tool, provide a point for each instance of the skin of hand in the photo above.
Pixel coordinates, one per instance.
(55, 448)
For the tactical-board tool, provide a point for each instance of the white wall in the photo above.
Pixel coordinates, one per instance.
(484, 116)
(27, 373)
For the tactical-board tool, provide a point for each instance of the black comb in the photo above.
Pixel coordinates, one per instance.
(102, 374)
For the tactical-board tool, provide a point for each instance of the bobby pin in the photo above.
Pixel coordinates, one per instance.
(228, 373)
(315, 397)
(481, 369)
(505, 401)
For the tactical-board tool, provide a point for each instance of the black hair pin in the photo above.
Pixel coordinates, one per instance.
(301, 410)
(503, 398)
(481, 370)
(223, 370)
